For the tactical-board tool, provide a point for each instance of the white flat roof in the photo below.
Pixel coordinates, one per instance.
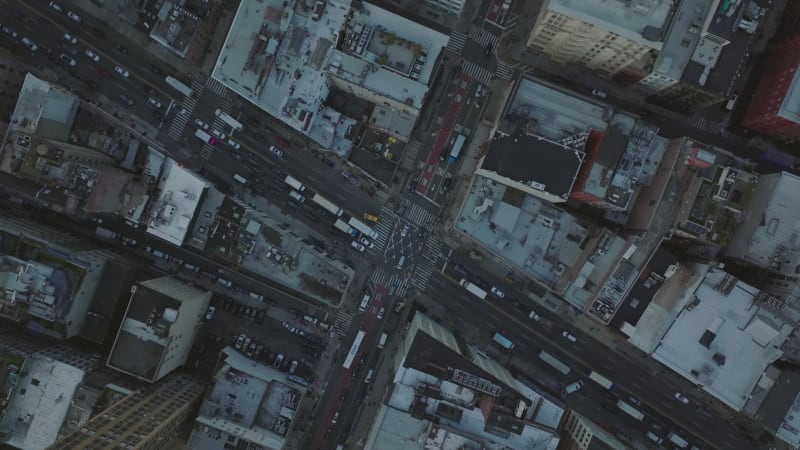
(680, 43)
(173, 211)
(790, 106)
(623, 17)
(726, 323)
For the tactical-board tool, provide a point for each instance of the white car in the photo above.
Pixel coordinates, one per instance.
(219, 134)
(681, 398)
(70, 38)
(497, 292)
(276, 151)
(200, 124)
(569, 336)
(366, 242)
(381, 312)
(152, 101)
(73, 16)
(239, 342)
(56, 6)
(357, 246)
(335, 417)
(67, 60)
(121, 71)
(234, 144)
(92, 55)
(210, 312)
(29, 43)
(293, 367)
(289, 327)
(10, 33)
(533, 315)
(404, 231)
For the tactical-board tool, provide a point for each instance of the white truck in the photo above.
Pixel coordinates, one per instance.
(240, 178)
(205, 136)
(677, 439)
(294, 183)
(343, 226)
(473, 289)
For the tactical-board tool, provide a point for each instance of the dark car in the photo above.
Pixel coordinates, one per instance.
(275, 192)
(459, 269)
(155, 69)
(122, 49)
(412, 186)
(277, 171)
(69, 49)
(125, 99)
(294, 204)
(401, 210)
(311, 216)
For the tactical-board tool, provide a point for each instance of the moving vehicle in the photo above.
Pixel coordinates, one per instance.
(473, 289)
(381, 312)
(105, 233)
(120, 70)
(205, 136)
(276, 151)
(227, 118)
(365, 242)
(731, 102)
(294, 183)
(70, 38)
(92, 55)
(343, 226)
(67, 60)
(382, 341)
(533, 315)
(74, 16)
(681, 398)
(297, 196)
(404, 230)
(362, 227)
(503, 341)
(457, 146)
(240, 178)
(370, 217)
(210, 312)
(599, 94)
(125, 99)
(601, 380)
(677, 439)
(654, 437)
(364, 303)
(573, 387)
(29, 43)
(630, 410)
(178, 86)
(327, 205)
(56, 6)
(351, 355)
(497, 292)
(368, 378)
(554, 362)
(152, 101)
(569, 336)
(200, 124)
(357, 246)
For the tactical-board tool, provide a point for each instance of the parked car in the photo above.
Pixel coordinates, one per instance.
(293, 367)
(219, 134)
(366, 242)
(381, 312)
(289, 327)
(152, 101)
(210, 312)
(357, 246)
(239, 342)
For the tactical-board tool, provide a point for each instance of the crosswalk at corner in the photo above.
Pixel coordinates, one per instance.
(708, 125)
(482, 36)
(342, 325)
(417, 214)
(477, 73)
(217, 88)
(456, 42)
(383, 227)
(180, 121)
(505, 71)
(425, 267)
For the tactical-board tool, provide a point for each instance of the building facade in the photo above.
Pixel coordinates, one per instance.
(604, 37)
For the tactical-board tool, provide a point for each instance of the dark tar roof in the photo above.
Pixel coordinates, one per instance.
(526, 159)
(611, 149)
(642, 292)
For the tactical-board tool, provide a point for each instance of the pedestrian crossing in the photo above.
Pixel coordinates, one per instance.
(482, 36)
(396, 283)
(424, 268)
(180, 121)
(217, 88)
(708, 125)
(383, 227)
(342, 324)
(417, 214)
(456, 42)
(476, 72)
(505, 71)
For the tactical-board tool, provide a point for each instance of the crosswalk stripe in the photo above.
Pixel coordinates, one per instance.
(505, 71)
(418, 215)
(217, 87)
(476, 72)
(342, 324)
(456, 42)
(482, 36)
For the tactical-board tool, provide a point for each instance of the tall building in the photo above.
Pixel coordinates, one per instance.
(602, 36)
(158, 329)
(144, 420)
(583, 434)
(775, 107)
(50, 282)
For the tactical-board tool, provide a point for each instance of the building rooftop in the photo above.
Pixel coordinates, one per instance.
(39, 401)
(790, 106)
(552, 113)
(686, 30)
(436, 380)
(172, 213)
(175, 28)
(285, 58)
(158, 328)
(541, 240)
(723, 341)
(640, 21)
(769, 238)
(249, 401)
(535, 162)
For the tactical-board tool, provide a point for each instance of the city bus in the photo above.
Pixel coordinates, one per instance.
(227, 118)
(630, 410)
(327, 205)
(503, 341)
(351, 355)
(457, 146)
(554, 362)
(178, 86)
